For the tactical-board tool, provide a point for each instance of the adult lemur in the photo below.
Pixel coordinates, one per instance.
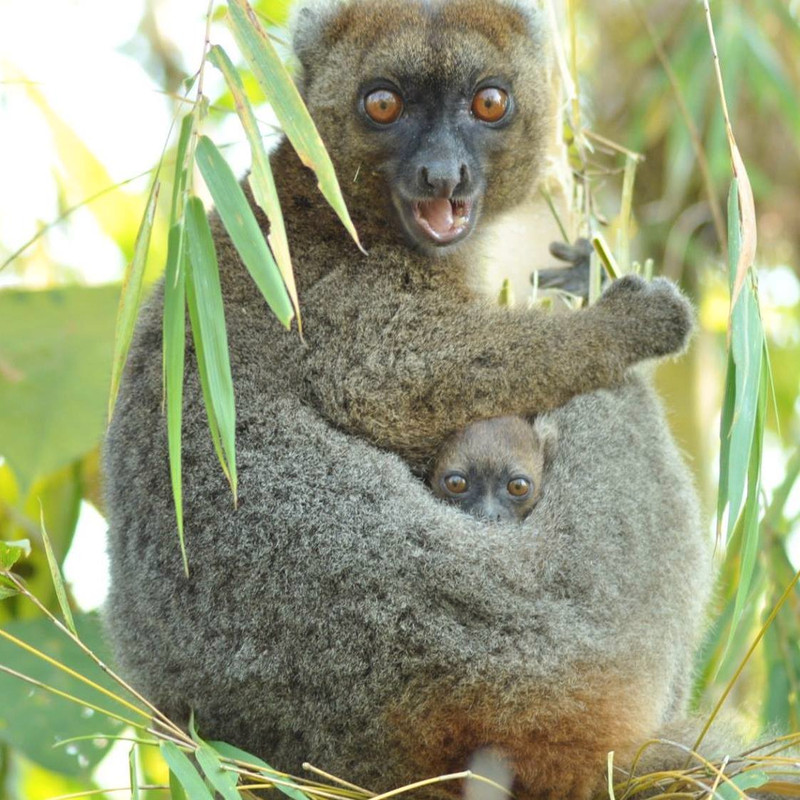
(342, 614)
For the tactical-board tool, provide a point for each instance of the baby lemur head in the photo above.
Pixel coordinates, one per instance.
(435, 111)
(493, 469)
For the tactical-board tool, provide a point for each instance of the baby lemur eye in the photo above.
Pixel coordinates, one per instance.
(383, 106)
(455, 483)
(518, 487)
(490, 104)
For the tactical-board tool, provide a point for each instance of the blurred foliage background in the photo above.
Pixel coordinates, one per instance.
(59, 295)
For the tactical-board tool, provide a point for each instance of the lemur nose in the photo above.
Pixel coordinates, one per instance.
(444, 178)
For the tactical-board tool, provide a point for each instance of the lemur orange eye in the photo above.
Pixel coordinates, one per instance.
(490, 104)
(455, 483)
(383, 106)
(518, 487)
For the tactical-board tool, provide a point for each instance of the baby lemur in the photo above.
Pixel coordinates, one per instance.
(493, 469)
(340, 613)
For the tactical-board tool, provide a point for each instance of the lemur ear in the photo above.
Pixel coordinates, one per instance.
(547, 432)
(308, 24)
(532, 14)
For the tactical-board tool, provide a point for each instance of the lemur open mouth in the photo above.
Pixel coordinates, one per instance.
(441, 219)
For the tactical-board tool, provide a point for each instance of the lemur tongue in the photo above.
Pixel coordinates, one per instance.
(438, 213)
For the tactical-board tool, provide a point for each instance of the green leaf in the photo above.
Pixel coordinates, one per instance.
(726, 423)
(782, 663)
(235, 754)
(213, 426)
(175, 789)
(240, 222)
(750, 518)
(747, 380)
(184, 771)
(260, 179)
(131, 295)
(747, 350)
(207, 316)
(55, 368)
(174, 355)
(134, 774)
(7, 588)
(179, 179)
(174, 324)
(223, 780)
(33, 720)
(751, 779)
(11, 552)
(287, 104)
(58, 580)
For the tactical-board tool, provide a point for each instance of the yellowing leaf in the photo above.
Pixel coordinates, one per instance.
(240, 222)
(287, 104)
(261, 181)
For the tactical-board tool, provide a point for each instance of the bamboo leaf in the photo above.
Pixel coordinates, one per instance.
(211, 342)
(743, 416)
(726, 424)
(782, 674)
(750, 519)
(747, 348)
(179, 181)
(58, 581)
(175, 789)
(235, 754)
(751, 779)
(747, 211)
(134, 773)
(240, 222)
(287, 104)
(174, 326)
(174, 356)
(184, 771)
(223, 780)
(131, 296)
(202, 372)
(260, 179)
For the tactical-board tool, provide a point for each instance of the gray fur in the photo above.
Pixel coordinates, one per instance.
(307, 22)
(341, 614)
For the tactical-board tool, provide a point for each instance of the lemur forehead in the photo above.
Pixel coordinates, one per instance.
(328, 21)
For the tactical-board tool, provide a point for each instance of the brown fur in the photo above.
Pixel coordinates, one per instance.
(560, 751)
